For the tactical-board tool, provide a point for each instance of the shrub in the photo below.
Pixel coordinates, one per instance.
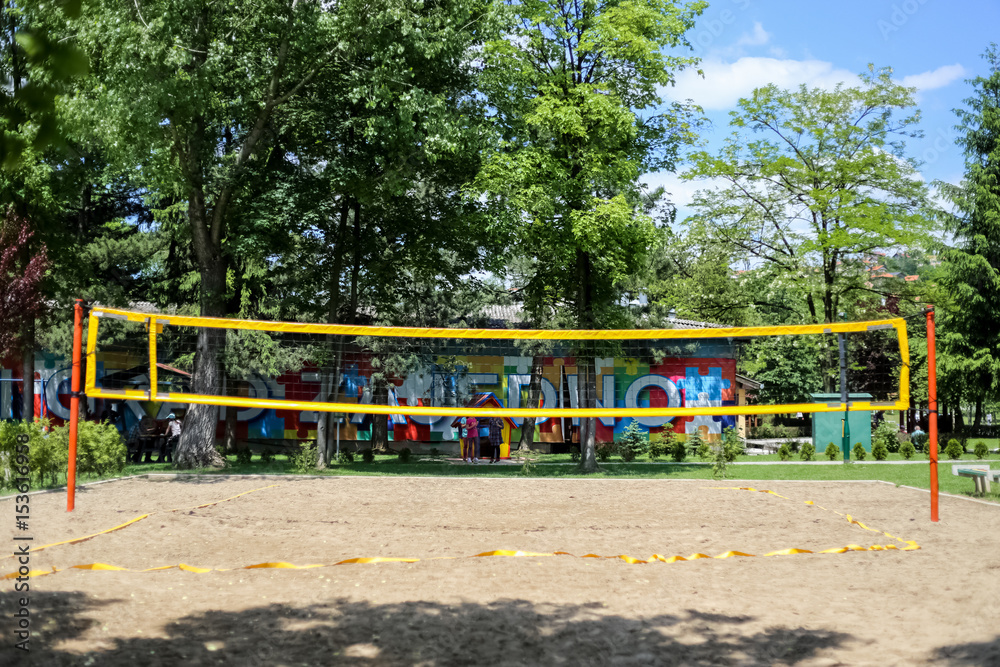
(920, 442)
(858, 451)
(659, 444)
(368, 456)
(574, 453)
(404, 455)
(784, 452)
(954, 450)
(907, 450)
(305, 459)
(879, 451)
(100, 449)
(244, 456)
(695, 444)
(832, 452)
(604, 450)
(266, 456)
(886, 434)
(632, 442)
(43, 457)
(807, 452)
(345, 457)
(704, 451)
(981, 450)
(435, 452)
(678, 449)
(732, 444)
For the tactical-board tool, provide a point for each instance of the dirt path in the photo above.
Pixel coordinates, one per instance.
(936, 605)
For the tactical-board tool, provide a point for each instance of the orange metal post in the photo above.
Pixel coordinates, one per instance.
(932, 408)
(74, 405)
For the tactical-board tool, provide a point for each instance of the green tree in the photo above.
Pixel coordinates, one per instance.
(184, 92)
(571, 84)
(827, 185)
(970, 328)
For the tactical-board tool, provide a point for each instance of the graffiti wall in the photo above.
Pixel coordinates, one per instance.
(623, 383)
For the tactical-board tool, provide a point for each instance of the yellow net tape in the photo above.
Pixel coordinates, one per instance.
(159, 319)
(77, 540)
(909, 545)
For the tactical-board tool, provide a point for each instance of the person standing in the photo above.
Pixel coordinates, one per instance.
(496, 438)
(472, 438)
(173, 435)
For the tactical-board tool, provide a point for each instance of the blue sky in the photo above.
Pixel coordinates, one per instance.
(932, 45)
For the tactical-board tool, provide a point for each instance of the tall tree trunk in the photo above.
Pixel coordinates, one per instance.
(534, 398)
(28, 369)
(330, 386)
(978, 418)
(380, 423)
(586, 387)
(196, 448)
(585, 365)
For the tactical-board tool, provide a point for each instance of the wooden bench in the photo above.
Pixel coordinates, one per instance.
(980, 474)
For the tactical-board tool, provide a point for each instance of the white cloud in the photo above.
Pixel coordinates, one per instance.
(938, 78)
(758, 37)
(724, 83)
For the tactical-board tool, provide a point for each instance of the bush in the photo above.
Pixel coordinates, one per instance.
(266, 456)
(99, 448)
(435, 452)
(807, 452)
(574, 453)
(879, 451)
(704, 451)
(659, 444)
(732, 444)
(632, 442)
(345, 457)
(784, 452)
(832, 452)
(858, 451)
(368, 456)
(404, 455)
(954, 450)
(678, 449)
(886, 434)
(604, 450)
(44, 459)
(694, 443)
(244, 456)
(305, 459)
(981, 450)
(920, 442)
(907, 450)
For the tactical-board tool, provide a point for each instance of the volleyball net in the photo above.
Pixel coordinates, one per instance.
(423, 374)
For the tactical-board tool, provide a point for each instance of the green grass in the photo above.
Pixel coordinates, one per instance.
(560, 466)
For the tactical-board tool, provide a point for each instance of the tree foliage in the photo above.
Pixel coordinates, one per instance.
(827, 185)
(971, 326)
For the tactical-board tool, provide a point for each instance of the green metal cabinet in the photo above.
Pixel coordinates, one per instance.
(828, 427)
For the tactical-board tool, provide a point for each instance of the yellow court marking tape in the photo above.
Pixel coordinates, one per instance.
(910, 544)
(283, 565)
(77, 540)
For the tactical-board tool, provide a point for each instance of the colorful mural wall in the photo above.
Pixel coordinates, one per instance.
(691, 382)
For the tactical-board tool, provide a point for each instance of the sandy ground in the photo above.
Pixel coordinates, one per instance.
(939, 604)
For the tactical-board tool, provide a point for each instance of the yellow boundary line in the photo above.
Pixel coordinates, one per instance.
(909, 545)
(157, 320)
(77, 540)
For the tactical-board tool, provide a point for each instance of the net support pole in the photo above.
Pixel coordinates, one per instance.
(74, 405)
(932, 409)
(845, 441)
